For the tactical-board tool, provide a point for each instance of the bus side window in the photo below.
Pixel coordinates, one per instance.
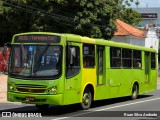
(88, 56)
(137, 62)
(72, 61)
(153, 61)
(126, 58)
(115, 57)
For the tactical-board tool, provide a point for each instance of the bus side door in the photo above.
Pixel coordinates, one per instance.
(73, 72)
(147, 70)
(147, 66)
(100, 66)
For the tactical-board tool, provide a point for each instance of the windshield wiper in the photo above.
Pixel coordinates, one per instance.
(41, 54)
(43, 51)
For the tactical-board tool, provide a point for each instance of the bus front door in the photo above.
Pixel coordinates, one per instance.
(73, 73)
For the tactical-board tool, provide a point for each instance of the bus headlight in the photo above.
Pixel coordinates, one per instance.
(52, 90)
(11, 88)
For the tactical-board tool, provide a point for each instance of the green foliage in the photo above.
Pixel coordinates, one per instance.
(92, 18)
(131, 17)
(137, 3)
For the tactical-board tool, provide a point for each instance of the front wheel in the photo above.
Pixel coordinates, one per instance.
(86, 99)
(134, 92)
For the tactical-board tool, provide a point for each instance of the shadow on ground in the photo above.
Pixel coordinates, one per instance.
(68, 109)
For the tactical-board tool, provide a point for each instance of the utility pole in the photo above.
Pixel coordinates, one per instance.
(147, 5)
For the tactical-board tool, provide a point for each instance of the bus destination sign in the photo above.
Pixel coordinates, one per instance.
(34, 38)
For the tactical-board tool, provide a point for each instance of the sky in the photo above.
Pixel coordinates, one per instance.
(147, 3)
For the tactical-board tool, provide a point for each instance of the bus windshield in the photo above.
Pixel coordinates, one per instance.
(36, 61)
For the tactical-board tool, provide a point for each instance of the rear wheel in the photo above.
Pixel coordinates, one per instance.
(134, 92)
(45, 106)
(86, 99)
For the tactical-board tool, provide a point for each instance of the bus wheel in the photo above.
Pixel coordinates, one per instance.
(45, 106)
(134, 92)
(86, 99)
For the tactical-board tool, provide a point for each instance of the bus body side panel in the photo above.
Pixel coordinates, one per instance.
(73, 89)
(126, 82)
(88, 77)
(153, 80)
(114, 82)
(138, 76)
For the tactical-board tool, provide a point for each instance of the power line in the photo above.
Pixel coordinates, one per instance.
(53, 16)
(37, 11)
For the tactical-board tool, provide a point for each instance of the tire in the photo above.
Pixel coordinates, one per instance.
(86, 99)
(134, 92)
(41, 107)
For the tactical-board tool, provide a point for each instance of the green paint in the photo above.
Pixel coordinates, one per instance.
(110, 84)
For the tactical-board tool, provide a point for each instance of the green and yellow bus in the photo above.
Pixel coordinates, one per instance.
(61, 69)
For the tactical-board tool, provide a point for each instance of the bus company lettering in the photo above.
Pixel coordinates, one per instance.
(23, 37)
(42, 37)
(35, 38)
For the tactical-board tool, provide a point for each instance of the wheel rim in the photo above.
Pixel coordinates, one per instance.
(86, 99)
(135, 91)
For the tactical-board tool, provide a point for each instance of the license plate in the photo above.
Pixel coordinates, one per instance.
(30, 99)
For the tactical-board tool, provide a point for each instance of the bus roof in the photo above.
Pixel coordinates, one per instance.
(83, 39)
(106, 42)
(123, 45)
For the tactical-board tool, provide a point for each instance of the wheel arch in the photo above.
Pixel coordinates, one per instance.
(91, 88)
(136, 83)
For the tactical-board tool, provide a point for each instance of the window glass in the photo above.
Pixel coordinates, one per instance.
(36, 61)
(126, 58)
(153, 60)
(115, 57)
(88, 55)
(137, 62)
(100, 52)
(72, 61)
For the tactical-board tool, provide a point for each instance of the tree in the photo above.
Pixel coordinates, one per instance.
(92, 18)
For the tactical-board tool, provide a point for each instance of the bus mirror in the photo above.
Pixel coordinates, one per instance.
(5, 48)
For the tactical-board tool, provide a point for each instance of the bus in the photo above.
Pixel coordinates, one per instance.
(60, 69)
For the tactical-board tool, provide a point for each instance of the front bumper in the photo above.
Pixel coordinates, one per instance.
(38, 99)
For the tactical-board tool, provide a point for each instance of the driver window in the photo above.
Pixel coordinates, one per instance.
(72, 61)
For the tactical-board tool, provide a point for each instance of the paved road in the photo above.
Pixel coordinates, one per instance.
(146, 107)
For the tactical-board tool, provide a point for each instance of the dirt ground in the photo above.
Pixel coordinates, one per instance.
(3, 87)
